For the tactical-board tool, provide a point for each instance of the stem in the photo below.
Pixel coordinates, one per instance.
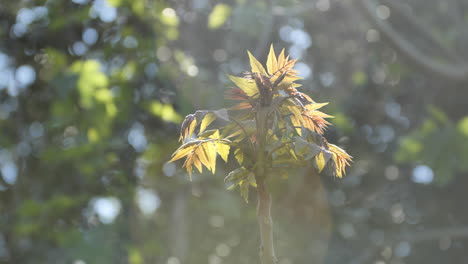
(265, 222)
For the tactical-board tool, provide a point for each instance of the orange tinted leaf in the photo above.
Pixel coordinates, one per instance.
(201, 154)
(240, 106)
(340, 158)
(235, 94)
(197, 164)
(188, 165)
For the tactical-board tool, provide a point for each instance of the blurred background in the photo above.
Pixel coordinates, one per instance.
(92, 94)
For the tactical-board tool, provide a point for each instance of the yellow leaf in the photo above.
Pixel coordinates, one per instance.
(197, 164)
(223, 150)
(281, 60)
(201, 154)
(256, 65)
(183, 151)
(316, 106)
(210, 150)
(338, 166)
(207, 120)
(248, 86)
(295, 110)
(318, 113)
(320, 161)
(340, 158)
(272, 64)
(297, 124)
(188, 165)
(191, 128)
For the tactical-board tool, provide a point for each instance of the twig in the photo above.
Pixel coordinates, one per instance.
(448, 71)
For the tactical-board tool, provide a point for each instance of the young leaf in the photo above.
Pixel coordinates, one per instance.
(320, 162)
(223, 150)
(281, 60)
(315, 106)
(272, 64)
(239, 155)
(256, 65)
(340, 158)
(248, 86)
(197, 163)
(210, 150)
(202, 156)
(207, 120)
(187, 127)
(183, 151)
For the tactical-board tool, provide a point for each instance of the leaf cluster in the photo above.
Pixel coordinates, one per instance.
(290, 128)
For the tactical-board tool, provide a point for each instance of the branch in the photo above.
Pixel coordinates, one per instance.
(421, 28)
(434, 234)
(448, 71)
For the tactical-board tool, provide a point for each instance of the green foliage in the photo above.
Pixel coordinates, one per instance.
(437, 135)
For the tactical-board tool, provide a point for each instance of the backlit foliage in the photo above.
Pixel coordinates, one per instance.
(293, 127)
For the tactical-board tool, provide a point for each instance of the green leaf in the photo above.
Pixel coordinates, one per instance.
(236, 175)
(207, 120)
(256, 65)
(239, 155)
(462, 126)
(219, 15)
